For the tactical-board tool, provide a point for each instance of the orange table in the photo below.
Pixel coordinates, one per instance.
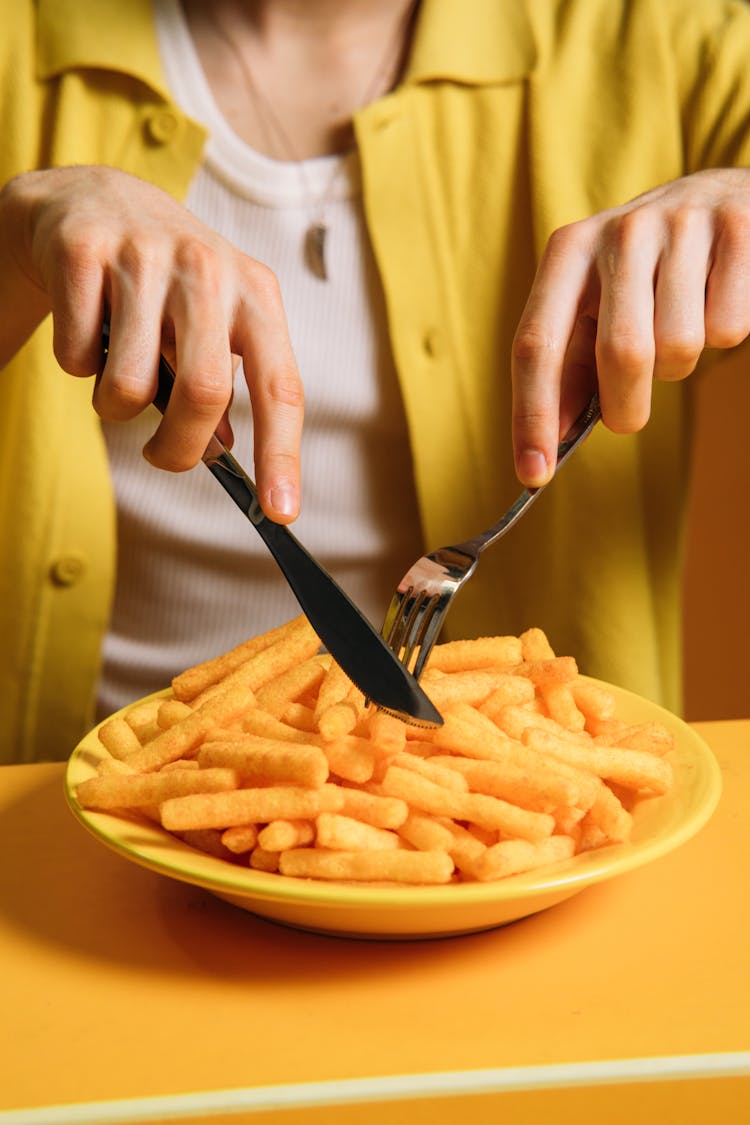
(128, 997)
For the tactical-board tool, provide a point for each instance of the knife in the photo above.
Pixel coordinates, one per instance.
(341, 626)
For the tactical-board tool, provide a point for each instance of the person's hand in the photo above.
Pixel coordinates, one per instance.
(625, 297)
(86, 242)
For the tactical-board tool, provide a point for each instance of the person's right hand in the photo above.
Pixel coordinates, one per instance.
(88, 241)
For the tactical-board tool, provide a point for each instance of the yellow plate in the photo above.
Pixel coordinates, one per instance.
(660, 824)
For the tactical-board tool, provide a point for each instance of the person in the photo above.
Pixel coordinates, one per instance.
(434, 229)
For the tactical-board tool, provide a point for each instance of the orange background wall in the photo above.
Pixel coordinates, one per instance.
(717, 595)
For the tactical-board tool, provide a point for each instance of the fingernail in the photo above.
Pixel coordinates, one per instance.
(532, 467)
(284, 499)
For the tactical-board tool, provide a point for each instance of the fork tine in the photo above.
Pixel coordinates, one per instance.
(418, 623)
(396, 620)
(430, 634)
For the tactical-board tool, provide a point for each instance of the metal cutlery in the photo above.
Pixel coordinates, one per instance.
(424, 595)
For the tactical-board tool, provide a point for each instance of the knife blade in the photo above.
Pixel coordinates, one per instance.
(344, 630)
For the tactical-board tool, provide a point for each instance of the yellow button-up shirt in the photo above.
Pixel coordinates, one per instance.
(512, 119)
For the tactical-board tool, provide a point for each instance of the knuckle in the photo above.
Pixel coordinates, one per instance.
(120, 397)
(680, 353)
(626, 353)
(684, 220)
(726, 332)
(567, 238)
(533, 343)
(625, 233)
(733, 221)
(285, 389)
(281, 464)
(200, 262)
(263, 283)
(206, 393)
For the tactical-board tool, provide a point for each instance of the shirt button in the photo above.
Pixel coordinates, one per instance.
(384, 116)
(431, 343)
(68, 570)
(162, 125)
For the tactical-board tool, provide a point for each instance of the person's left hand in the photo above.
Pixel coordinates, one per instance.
(627, 296)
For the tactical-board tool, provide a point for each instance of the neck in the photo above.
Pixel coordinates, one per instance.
(313, 62)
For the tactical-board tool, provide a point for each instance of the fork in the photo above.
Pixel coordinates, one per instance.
(424, 595)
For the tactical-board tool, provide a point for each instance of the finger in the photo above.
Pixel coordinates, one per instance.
(277, 398)
(75, 286)
(679, 316)
(579, 379)
(129, 380)
(203, 367)
(727, 308)
(625, 346)
(197, 404)
(539, 350)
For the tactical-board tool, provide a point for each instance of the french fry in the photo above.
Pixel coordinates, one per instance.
(206, 840)
(171, 711)
(371, 808)
(240, 839)
(487, 812)
(465, 848)
(511, 857)
(595, 701)
(531, 784)
(280, 835)
(515, 721)
(481, 652)
(440, 773)
(426, 833)
(344, 833)
(551, 670)
(183, 738)
(276, 695)
(143, 714)
(632, 768)
(652, 738)
(260, 723)
(300, 716)
(387, 732)
(396, 866)
(244, 806)
(469, 732)
(535, 645)
(190, 683)
(511, 690)
(561, 706)
(335, 713)
(262, 860)
(119, 738)
(445, 689)
(608, 816)
(133, 790)
(351, 757)
(285, 653)
(259, 760)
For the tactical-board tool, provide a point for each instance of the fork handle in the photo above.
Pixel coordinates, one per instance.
(580, 429)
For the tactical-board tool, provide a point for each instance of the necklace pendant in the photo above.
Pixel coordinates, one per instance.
(315, 245)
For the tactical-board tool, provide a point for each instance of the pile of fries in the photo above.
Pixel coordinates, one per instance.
(269, 756)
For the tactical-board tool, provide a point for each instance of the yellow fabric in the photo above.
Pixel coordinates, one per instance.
(513, 119)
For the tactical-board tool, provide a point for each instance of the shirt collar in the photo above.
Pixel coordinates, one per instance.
(475, 42)
(469, 41)
(106, 35)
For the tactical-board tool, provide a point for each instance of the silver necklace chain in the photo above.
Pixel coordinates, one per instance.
(388, 70)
